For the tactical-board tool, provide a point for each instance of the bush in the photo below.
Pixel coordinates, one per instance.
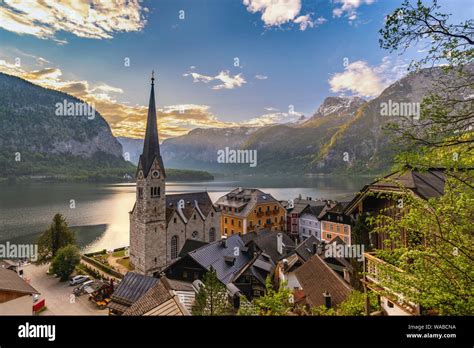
(65, 261)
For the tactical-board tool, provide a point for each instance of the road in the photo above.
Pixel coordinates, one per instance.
(58, 295)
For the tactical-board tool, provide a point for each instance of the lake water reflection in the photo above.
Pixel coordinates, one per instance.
(100, 216)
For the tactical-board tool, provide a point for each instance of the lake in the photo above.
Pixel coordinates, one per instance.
(98, 213)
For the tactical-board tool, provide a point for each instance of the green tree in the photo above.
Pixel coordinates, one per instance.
(447, 114)
(57, 236)
(212, 298)
(436, 268)
(274, 302)
(65, 261)
(353, 305)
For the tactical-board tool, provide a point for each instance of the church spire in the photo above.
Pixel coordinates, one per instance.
(151, 146)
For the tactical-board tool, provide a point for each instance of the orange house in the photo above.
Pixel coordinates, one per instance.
(246, 210)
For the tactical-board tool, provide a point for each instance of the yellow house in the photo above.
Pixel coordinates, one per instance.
(246, 210)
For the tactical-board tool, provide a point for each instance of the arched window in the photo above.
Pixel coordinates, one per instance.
(195, 234)
(174, 247)
(212, 234)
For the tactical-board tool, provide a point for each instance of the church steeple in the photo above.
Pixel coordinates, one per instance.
(151, 146)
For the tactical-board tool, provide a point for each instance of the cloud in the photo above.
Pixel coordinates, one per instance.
(367, 81)
(261, 77)
(123, 118)
(279, 12)
(130, 120)
(227, 80)
(272, 118)
(87, 19)
(349, 8)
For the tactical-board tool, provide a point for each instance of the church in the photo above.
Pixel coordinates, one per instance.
(160, 223)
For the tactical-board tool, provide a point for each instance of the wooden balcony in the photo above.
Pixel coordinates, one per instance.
(377, 277)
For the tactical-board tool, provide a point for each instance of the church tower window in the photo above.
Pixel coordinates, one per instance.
(155, 191)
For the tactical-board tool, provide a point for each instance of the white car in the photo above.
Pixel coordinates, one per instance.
(80, 289)
(79, 279)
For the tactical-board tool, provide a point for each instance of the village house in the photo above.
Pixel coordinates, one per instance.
(16, 295)
(309, 222)
(320, 285)
(139, 294)
(293, 210)
(286, 268)
(335, 223)
(385, 196)
(245, 210)
(242, 263)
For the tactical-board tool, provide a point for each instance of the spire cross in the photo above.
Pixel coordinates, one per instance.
(153, 76)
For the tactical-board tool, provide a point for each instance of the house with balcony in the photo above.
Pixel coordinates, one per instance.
(385, 196)
(245, 210)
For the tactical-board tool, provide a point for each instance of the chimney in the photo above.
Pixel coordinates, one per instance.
(347, 275)
(285, 264)
(280, 243)
(224, 241)
(315, 248)
(327, 299)
(319, 248)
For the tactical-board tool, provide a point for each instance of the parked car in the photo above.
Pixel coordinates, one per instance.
(78, 279)
(79, 290)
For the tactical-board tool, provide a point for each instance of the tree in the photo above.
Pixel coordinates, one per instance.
(212, 298)
(57, 236)
(435, 269)
(65, 261)
(274, 302)
(447, 114)
(353, 305)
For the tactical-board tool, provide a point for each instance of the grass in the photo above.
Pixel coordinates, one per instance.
(120, 253)
(125, 262)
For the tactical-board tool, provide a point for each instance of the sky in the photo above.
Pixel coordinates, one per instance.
(217, 63)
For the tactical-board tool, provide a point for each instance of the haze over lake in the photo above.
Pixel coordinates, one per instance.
(100, 217)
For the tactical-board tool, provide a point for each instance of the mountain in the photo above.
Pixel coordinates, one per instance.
(50, 134)
(363, 141)
(40, 136)
(280, 148)
(344, 135)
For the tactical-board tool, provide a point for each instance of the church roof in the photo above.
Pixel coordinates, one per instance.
(151, 145)
(204, 204)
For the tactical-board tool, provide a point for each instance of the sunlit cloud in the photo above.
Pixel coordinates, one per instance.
(361, 79)
(129, 120)
(273, 117)
(87, 19)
